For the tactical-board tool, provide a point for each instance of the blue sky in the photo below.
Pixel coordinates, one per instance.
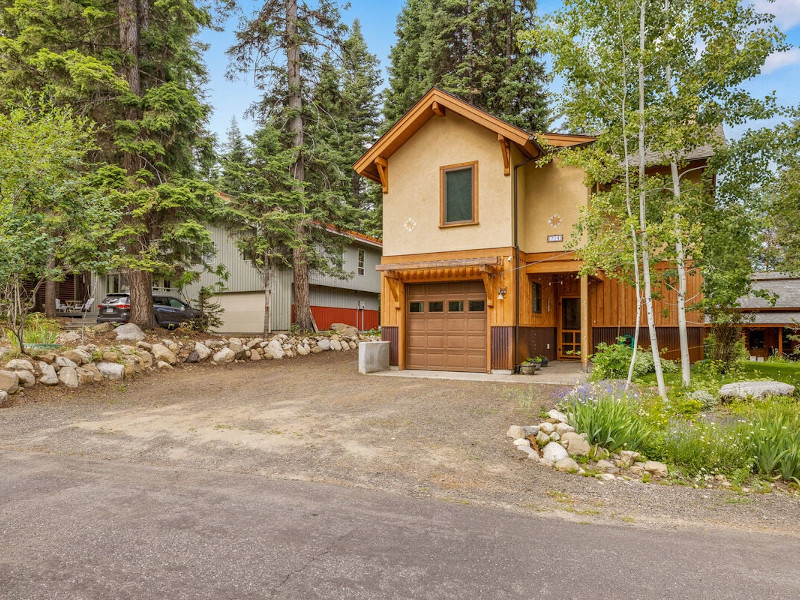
(378, 17)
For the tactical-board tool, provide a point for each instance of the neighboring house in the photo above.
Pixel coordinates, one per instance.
(353, 300)
(475, 274)
(767, 327)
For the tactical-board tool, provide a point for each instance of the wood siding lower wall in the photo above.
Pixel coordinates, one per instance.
(390, 334)
(534, 341)
(502, 340)
(667, 338)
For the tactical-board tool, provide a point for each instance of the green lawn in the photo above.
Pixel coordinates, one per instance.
(785, 371)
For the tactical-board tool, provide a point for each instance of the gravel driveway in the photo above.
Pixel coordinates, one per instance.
(316, 419)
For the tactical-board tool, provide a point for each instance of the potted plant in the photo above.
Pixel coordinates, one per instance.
(529, 366)
(543, 360)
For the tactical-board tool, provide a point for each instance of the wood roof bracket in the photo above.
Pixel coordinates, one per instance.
(488, 285)
(505, 148)
(438, 109)
(383, 173)
(394, 284)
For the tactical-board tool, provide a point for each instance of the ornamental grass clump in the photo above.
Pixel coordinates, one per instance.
(609, 421)
(776, 444)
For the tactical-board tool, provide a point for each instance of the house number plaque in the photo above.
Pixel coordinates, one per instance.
(555, 238)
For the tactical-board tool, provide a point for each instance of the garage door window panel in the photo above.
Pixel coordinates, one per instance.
(455, 306)
(459, 195)
(436, 307)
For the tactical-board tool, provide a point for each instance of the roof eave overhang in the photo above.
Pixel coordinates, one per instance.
(436, 102)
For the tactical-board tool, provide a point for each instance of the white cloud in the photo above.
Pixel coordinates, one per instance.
(787, 12)
(780, 60)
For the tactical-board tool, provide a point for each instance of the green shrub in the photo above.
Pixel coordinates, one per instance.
(776, 442)
(38, 330)
(613, 361)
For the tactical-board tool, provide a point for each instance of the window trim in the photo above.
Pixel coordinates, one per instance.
(361, 262)
(536, 285)
(442, 214)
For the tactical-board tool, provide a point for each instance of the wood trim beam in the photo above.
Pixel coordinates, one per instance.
(394, 285)
(505, 148)
(438, 109)
(441, 264)
(488, 285)
(382, 165)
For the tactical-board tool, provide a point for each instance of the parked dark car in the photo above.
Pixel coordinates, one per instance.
(169, 311)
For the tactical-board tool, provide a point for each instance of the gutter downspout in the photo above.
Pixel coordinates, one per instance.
(516, 261)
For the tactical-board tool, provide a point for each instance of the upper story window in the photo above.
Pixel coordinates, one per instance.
(536, 297)
(459, 195)
(361, 256)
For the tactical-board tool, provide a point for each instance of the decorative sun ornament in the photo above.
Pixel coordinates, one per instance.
(410, 224)
(554, 221)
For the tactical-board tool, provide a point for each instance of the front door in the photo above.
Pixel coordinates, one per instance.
(569, 336)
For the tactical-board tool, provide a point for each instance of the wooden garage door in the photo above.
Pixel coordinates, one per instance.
(446, 326)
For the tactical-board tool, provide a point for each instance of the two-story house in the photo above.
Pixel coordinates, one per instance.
(475, 273)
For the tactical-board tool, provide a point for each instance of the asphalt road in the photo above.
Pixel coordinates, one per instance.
(72, 527)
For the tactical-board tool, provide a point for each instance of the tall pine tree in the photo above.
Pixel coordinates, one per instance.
(469, 48)
(134, 68)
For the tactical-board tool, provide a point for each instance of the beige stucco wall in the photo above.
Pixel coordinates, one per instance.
(549, 191)
(413, 197)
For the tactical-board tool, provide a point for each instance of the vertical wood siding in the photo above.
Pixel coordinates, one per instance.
(502, 340)
(390, 334)
(667, 338)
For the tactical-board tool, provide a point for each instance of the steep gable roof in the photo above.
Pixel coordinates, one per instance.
(438, 102)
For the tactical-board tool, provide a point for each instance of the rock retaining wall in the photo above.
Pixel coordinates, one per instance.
(89, 363)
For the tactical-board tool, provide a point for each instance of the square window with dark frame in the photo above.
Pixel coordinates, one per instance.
(361, 256)
(477, 306)
(416, 307)
(435, 306)
(459, 194)
(536, 297)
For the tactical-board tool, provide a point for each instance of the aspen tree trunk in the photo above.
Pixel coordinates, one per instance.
(302, 308)
(680, 254)
(133, 14)
(634, 239)
(648, 292)
(267, 294)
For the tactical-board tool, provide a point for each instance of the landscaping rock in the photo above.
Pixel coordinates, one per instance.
(103, 327)
(557, 415)
(110, 356)
(755, 389)
(49, 376)
(343, 329)
(97, 376)
(203, 351)
(605, 477)
(522, 442)
(63, 361)
(235, 345)
(324, 345)
(79, 357)
(84, 375)
(628, 457)
(226, 355)
(26, 378)
(567, 464)
(147, 359)
(547, 428)
(607, 467)
(19, 364)
(161, 352)
(554, 452)
(69, 338)
(562, 428)
(111, 370)
(164, 365)
(68, 376)
(336, 345)
(516, 432)
(9, 381)
(575, 444)
(531, 430)
(130, 332)
(542, 439)
(193, 357)
(655, 468)
(5, 399)
(529, 451)
(275, 349)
